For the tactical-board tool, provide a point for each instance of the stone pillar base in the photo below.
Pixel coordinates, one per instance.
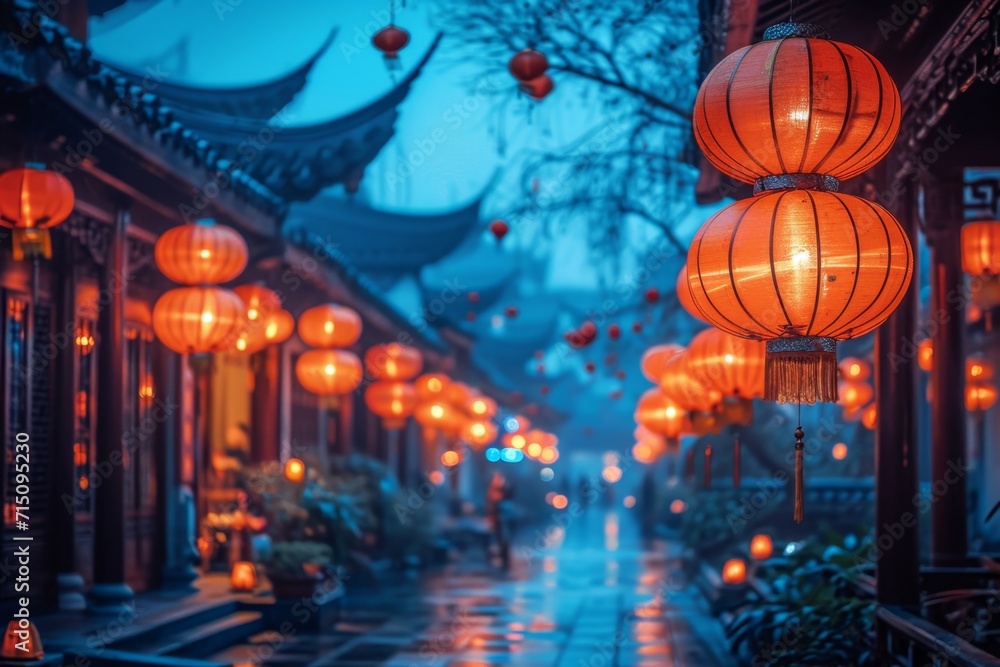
(70, 586)
(110, 597)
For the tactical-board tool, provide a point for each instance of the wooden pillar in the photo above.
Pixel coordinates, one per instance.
(109, 589)
(949, 463)
(70, 583)
(897, 548)
(265, 431)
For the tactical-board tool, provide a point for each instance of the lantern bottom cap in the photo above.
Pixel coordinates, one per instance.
(801, 370)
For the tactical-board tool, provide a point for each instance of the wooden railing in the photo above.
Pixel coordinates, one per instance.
(907, 640)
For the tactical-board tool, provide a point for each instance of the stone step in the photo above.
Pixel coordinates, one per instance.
(210, 638)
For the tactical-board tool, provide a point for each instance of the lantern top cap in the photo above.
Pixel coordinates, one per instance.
(793, 29)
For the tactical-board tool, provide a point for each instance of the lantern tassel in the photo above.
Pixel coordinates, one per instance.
(708, 466)
(736, 462)
(801, 370)
(799, 447)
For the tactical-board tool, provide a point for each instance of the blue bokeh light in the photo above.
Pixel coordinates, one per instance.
(492, 454)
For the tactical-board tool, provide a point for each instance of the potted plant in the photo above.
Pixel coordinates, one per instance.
(296, 568)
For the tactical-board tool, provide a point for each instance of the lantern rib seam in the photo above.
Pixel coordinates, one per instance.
(732, 162)
(729, 115)
(857, 158)
(701, 281)
(819, 264)
(847, 112)
(732, 277)
(770, 105)
(805, 148)
(774, 274)
(857, 267)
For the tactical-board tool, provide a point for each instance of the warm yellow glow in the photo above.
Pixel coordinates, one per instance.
(437, 411)
(244, 576)
(450, 458)
(207, 317)
(534, 450)
(761, 547)
(329, 369)
(548, 455)
(295, 470)
(729, 358)
(479, 407)
(629, 502)
(241, 344)
(252, 313)
(328, 327)
(437, 477)
(800, 258)
(478, 430)
(855, 370)
(678, 506)
(611, 474)
(146, 391)
(434, 385)
(734, 571)
(840, 451)
(517, 441)
(560, 502)
(205, 253)
(671, 411)
(271, 330)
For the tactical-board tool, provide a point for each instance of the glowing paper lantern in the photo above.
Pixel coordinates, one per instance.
(393, 362)
(869, 416)
(31, 201)
(761, 547)
(438, 415)
(243, 576)
(261, 302)
(981, 248)
(431, 386)
(796, 103)
(451, 458)
(925, 354)
(392, 400)
(852, 368)
(854, 395)
(978, 370)
(201, 253)
(734, 572)
(980, 396)
(654, 360)
(680, 386)
(21, 641)
(196, 320)
(329, 325)
(328, 372)
(479, 433)
(730, 365)
(661, 416)
(807, 286)
(295, 470)
(839, 451)
(482, 407)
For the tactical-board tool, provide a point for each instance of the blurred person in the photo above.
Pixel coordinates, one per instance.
(502, 513)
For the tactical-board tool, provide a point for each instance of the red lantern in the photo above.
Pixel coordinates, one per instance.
(392, 400)
(852, 368)
(479, 433)
(511, 312)
(196, 320)
(243, 576)
(590, 366)
(734, 572)
(796, 103)
(431, 386)
(854, 394)
(21, 641)
(390, 40)
(329, 325)
(733, 366)
(328, 372)
(499, 228)
(637, 327)
(806, 286)
(681, 386)
(527, 65)
(393, 362)
(684, 295)
(614, 332)
(656, 412)
(473, 297)
(31, 201)
(538, 89)
(201, 253)
(295, 471)
(761, 547)
(652, 295)
(655, 359)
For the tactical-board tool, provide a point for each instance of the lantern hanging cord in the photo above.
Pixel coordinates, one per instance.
(799, 451)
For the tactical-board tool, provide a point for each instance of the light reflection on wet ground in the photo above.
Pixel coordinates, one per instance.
(586, 596)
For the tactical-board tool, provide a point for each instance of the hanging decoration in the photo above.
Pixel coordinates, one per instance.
(981, 259)
(684, 295)
(199, 318)
(263, 321)
(680, 385)
(614, 331)
(499, 229)
(392, 400)
(980, 396)
(538, 89)
(654, 360)
(33, 200)
(725, 363)
(527, 65)
(794, 115)
(328, 372)
(329, 325)
(390, 40)
(394, 362)
(657, 413)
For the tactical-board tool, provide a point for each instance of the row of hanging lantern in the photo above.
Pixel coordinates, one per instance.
(794, 115)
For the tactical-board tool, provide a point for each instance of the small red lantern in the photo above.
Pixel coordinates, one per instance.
(620, 374)
(473, 297)
(538, 89)
(392, 400)
(637, 327)
(511, 312)
(21, 641)
(761, 547)
(201, 253)
(390, 40)
(31, 201)
(295, 470)
(499, 228)
(243, 576)
(652, 295)
(528, 64)
(614, 332)
(590, 366)
(734, 572)
(393, 362)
